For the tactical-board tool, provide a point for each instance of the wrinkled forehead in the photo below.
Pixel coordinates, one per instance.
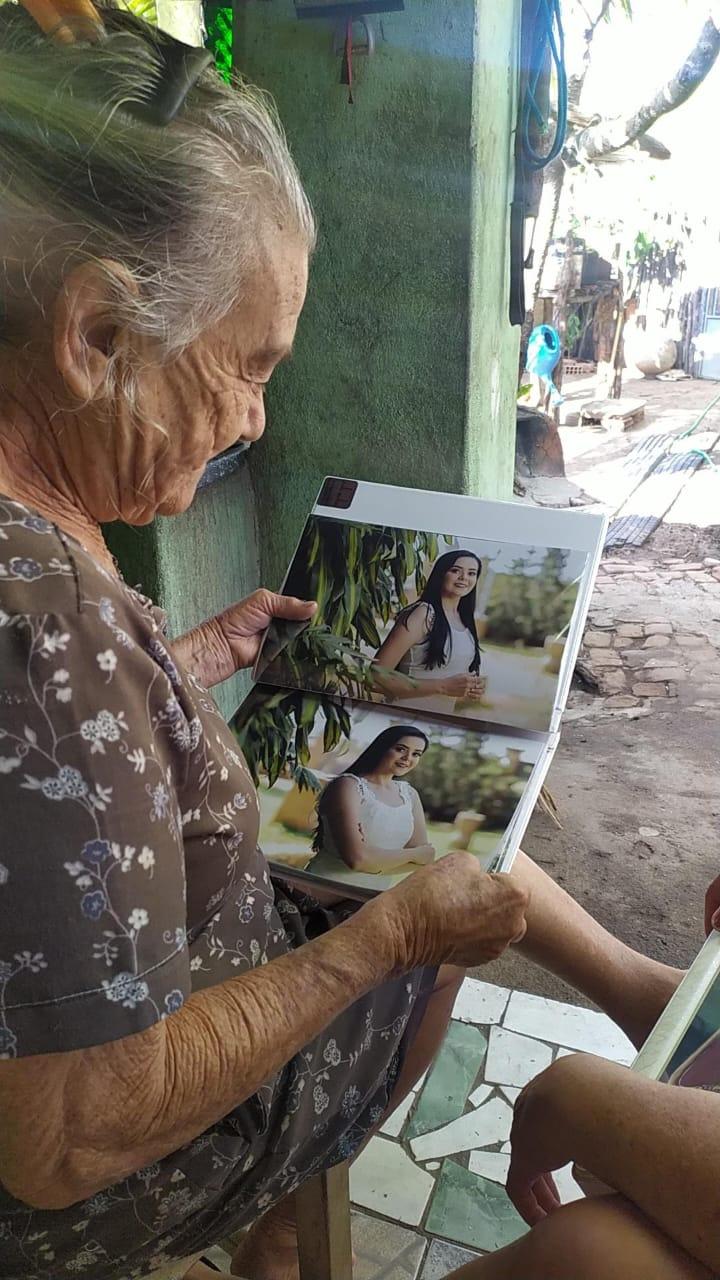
(260, 329)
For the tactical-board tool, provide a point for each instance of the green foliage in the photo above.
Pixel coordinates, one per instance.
(274, 730)
(357, 573)
(143, 9)
(452, 778)
(219, 40)
(321, 660)
(573, 330)
(531, 608)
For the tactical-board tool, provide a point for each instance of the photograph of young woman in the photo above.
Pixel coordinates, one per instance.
(433, 644)
(370, 817)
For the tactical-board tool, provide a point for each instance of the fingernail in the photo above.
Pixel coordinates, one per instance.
(715, 921)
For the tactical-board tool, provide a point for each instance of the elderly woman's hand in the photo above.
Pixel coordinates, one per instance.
(231, 640)
(453, 912)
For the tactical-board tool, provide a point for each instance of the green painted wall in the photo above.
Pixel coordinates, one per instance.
(405, 365)
(196, 564)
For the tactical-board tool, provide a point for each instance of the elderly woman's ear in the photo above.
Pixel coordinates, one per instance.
(86, 331)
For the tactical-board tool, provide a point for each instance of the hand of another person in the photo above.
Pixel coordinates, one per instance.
(453, 913)
(464, 686)
(712, 906)
(540, 1145)
(545, 1137)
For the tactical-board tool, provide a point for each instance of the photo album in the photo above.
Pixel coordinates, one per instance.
(418, 711)
(684, 1046)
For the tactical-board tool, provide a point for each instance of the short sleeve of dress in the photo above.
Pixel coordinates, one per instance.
(92, 880)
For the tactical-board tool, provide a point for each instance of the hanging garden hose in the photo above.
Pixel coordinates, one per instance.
(700, 418)
(547, 39)
(543, 42)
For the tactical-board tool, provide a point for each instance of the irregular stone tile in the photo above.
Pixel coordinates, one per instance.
(648, 690)
(480, 1095)
(480, 1002)
(395, 1123)
(450, 1079)
(490, 1164)
(484, 1127)
(443, 1258)
(385, 1250)
(568, 1189)
(219, 1256)
(514, 1059)
(511, 1094)
(597, 639)
(472, 1211)
(385, 1180)
(566, 1024)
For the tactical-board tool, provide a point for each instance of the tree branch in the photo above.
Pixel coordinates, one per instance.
(608, 136)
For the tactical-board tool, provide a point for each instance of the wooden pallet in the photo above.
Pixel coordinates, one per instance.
(613, 413)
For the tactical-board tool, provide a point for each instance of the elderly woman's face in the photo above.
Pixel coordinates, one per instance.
(192, 408)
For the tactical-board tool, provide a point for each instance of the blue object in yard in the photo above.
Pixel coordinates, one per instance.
(544, 351)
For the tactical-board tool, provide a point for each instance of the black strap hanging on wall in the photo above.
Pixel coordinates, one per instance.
(346, 71)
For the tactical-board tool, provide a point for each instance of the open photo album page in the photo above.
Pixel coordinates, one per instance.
(695, 1062)
(429, 623)
(358, 797)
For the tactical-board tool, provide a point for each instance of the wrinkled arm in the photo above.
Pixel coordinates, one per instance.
(111, 1109)
(205, 653)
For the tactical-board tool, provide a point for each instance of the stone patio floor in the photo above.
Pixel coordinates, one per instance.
(428, 1192)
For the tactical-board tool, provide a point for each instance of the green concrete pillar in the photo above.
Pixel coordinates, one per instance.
(405, 367)
(196, 564)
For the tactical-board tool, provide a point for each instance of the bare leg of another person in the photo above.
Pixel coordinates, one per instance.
(562, 937)
(269, 1250)
(601, 1239)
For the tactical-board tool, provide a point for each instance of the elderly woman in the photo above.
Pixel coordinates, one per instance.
(184, 1041)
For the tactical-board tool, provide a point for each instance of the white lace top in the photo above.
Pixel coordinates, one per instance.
(383, 826)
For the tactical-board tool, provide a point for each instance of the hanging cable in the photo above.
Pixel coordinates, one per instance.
(548, 40)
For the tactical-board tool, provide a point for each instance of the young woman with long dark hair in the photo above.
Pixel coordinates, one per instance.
(369, 816)
(434, 645)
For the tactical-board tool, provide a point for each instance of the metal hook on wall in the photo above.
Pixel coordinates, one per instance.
(364, 46)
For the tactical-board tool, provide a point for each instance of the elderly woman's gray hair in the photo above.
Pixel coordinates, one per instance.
(184, 209)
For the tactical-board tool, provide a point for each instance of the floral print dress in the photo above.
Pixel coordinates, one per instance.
(129, 878)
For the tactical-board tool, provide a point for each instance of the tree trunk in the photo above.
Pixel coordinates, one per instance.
(610, 135)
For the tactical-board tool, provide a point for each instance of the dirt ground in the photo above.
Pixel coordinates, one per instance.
(637, 786)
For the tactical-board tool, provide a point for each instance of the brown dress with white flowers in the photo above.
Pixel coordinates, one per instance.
(129, 878)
